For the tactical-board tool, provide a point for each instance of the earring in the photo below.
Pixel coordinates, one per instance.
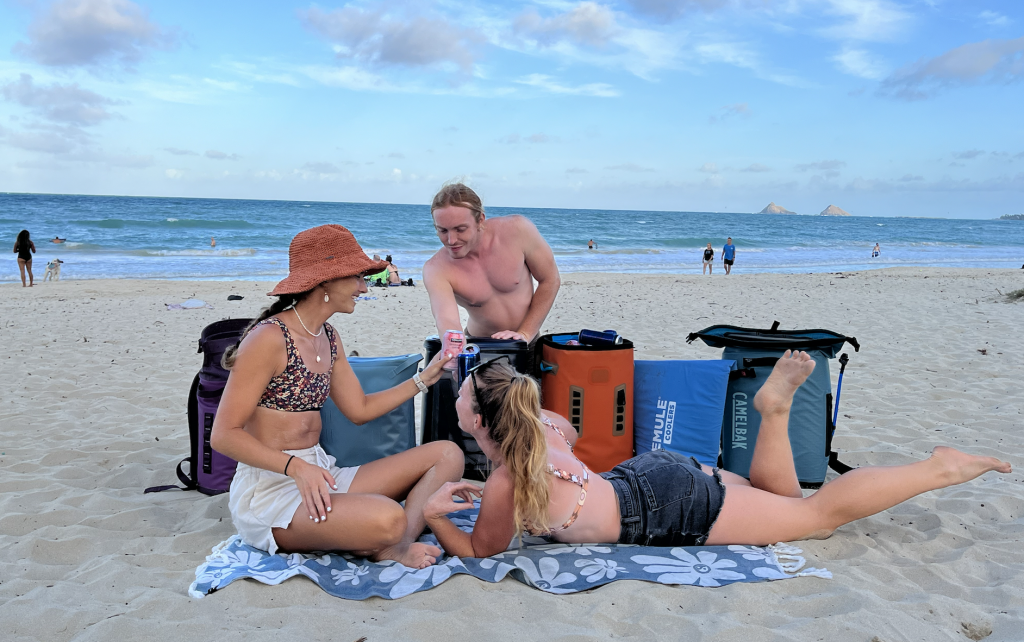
(326, 298)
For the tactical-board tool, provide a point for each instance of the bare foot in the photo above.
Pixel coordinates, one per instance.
(776, 395)
(961, 467)
(414, 555)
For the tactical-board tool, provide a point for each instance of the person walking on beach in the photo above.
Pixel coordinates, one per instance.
(709, 260)
(659, 498)
(25, 248)
(876, 252)
(281, 374)
(728, 255)
(488, 266)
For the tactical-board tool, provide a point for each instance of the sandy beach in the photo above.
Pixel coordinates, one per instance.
(92, 411)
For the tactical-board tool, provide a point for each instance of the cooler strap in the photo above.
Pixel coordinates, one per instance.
(836, 465)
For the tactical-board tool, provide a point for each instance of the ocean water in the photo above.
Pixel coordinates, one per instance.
(169, 238)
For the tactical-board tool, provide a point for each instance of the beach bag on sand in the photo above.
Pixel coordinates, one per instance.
(811, 417)
(440, 422)
(592, 387)
(388, 434)
(677, 406)
(209, 472)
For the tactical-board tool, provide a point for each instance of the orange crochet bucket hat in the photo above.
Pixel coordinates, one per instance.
(322, 254)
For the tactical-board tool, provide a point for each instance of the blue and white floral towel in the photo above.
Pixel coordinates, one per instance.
(553, 568)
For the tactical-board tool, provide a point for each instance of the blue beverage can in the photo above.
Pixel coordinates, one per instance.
(468, 359)
(597, 338)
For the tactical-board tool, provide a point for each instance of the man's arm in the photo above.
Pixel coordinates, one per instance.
(540, 261)
(442, 299)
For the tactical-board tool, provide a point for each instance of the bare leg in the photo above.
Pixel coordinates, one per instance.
(412, 476)
(31, 279)
(753, 516)
(21, 268)
(772, 468)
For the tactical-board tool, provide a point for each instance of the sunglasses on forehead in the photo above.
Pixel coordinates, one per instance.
(476, 388)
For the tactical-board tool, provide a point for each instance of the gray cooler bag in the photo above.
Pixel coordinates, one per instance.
(389, 434)
(811, 417)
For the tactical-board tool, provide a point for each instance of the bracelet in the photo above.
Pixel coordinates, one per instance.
(286, 464)
(419, 382)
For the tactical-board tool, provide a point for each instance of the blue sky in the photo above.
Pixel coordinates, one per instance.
(880, 107)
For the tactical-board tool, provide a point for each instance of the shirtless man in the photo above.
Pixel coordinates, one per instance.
(488, 267)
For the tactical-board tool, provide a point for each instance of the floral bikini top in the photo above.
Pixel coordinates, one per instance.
(297, 389)
(569, 477)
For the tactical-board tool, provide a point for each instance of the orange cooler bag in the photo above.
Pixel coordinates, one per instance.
(592, 387)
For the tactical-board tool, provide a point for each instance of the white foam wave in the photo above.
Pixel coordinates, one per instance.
(247, 251)
(172, 220)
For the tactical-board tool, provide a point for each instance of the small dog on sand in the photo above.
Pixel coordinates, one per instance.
(53, 270)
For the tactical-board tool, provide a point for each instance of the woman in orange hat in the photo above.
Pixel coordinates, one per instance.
(288, 362)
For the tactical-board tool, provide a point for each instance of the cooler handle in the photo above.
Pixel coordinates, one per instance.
(546, 367)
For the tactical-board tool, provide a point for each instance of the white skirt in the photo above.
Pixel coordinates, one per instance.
(262, 500)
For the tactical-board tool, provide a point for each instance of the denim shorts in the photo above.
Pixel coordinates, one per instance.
(665, 499)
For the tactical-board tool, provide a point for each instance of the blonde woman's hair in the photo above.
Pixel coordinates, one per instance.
(512, 404)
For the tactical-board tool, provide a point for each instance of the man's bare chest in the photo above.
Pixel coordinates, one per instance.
(478, 283)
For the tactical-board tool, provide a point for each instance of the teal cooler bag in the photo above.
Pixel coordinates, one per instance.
(677, 406)
(389, 434)
(811, 424)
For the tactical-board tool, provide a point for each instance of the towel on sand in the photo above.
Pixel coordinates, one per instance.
(550, 567)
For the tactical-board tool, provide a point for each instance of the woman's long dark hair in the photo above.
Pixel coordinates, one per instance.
(283, 302)
(23, 239)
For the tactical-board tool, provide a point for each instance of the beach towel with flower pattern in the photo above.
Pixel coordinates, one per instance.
(550, 567)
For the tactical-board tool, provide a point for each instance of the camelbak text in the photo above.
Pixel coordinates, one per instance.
(739, 420)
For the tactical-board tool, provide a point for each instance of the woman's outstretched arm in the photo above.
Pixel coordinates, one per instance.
(494, 528)
(359, 407)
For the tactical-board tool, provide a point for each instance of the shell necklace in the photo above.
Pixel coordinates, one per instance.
(296, 311)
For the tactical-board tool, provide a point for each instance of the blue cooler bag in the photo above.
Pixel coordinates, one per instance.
(811, 426)
(389, 434)
(677, 406)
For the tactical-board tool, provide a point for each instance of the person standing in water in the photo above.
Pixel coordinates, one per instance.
(876, 252)
(728, 255)
(213, 242)
(25, 248)
(709, 260)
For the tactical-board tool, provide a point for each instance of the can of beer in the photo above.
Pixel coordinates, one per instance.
(597, 338)
(451, 343)
(469, 358)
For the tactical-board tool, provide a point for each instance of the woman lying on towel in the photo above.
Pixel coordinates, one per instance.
(659, 498)
(289, 361)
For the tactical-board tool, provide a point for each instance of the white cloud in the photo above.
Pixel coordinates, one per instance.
(756, 168)
(994, 19)
(867, 20)
(826, 165)
(588, 23)
(90, 32)
(969, 154)
(219, 155)
(376, 38)
(547, 83)
(69, 104)
(709, 168)
(986, 61)
(860, 63)
(630, 167)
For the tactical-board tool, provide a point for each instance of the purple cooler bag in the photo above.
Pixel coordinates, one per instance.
(209, 471)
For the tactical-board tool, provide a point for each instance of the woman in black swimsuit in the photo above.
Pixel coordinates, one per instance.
(25, 248)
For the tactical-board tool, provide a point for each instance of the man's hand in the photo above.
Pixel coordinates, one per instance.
(511, 334)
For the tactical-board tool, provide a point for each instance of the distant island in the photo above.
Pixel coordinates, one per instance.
(772, 208)
(1008, 217)
(832, 210)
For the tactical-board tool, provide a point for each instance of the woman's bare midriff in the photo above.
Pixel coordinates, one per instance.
(282, 430)
(599, 520)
